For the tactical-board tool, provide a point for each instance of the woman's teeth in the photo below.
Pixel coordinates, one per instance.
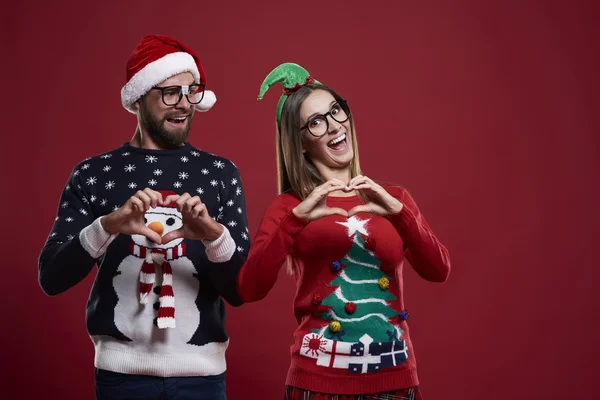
(337, 140)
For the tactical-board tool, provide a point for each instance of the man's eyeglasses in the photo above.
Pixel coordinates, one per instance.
(172, 95)
(318, 125)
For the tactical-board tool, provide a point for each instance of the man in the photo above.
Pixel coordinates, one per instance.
(166, 225)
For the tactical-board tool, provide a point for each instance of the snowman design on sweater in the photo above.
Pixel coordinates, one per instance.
(360, 332)
(156, 284)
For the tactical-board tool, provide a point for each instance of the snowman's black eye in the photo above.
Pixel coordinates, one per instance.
(170, 221)
(145, 220)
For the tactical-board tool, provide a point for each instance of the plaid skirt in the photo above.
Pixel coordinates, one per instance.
(294, 393)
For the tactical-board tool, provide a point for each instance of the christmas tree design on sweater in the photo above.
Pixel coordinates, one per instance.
(360, 335)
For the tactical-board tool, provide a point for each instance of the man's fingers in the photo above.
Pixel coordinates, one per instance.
(170, 199)
(191, 203)
(145, 198)
(150, 234)
(176, 234)
(137, 205)
(181, 201)
(155, 197)
(198, 209)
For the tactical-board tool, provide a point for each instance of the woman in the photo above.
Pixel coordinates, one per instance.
(345, 239)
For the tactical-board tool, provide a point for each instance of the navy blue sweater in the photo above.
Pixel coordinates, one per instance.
(124, 331)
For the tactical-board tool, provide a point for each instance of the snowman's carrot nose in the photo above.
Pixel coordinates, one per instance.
(156, 227)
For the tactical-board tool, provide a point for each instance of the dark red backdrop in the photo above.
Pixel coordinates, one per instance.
(486, 110)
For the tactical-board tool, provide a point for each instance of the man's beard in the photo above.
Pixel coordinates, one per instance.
(163, 138)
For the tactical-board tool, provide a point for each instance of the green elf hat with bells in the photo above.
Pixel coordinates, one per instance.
(292, 77)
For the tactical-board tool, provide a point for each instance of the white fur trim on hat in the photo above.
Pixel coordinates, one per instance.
(157, 72)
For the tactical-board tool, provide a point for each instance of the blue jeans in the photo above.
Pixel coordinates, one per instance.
(116, 386)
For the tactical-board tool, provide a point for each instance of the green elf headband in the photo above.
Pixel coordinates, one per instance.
(292, 76)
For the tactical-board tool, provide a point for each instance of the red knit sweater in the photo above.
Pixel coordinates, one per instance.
(352, 336)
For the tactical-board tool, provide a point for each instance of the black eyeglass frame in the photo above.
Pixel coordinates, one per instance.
(187, 96)
(342, 103)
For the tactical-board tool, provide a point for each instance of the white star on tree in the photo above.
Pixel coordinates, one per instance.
(355, 224)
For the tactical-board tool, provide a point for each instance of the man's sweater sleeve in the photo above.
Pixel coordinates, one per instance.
(64, 260)
(426, 254)
(228, 253)
(273, 242)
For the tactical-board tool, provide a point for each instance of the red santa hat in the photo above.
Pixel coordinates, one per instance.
(155, 59)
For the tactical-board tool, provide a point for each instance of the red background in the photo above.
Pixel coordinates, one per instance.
(486, 110)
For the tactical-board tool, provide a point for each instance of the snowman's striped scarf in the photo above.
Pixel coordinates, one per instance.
(166, 310)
